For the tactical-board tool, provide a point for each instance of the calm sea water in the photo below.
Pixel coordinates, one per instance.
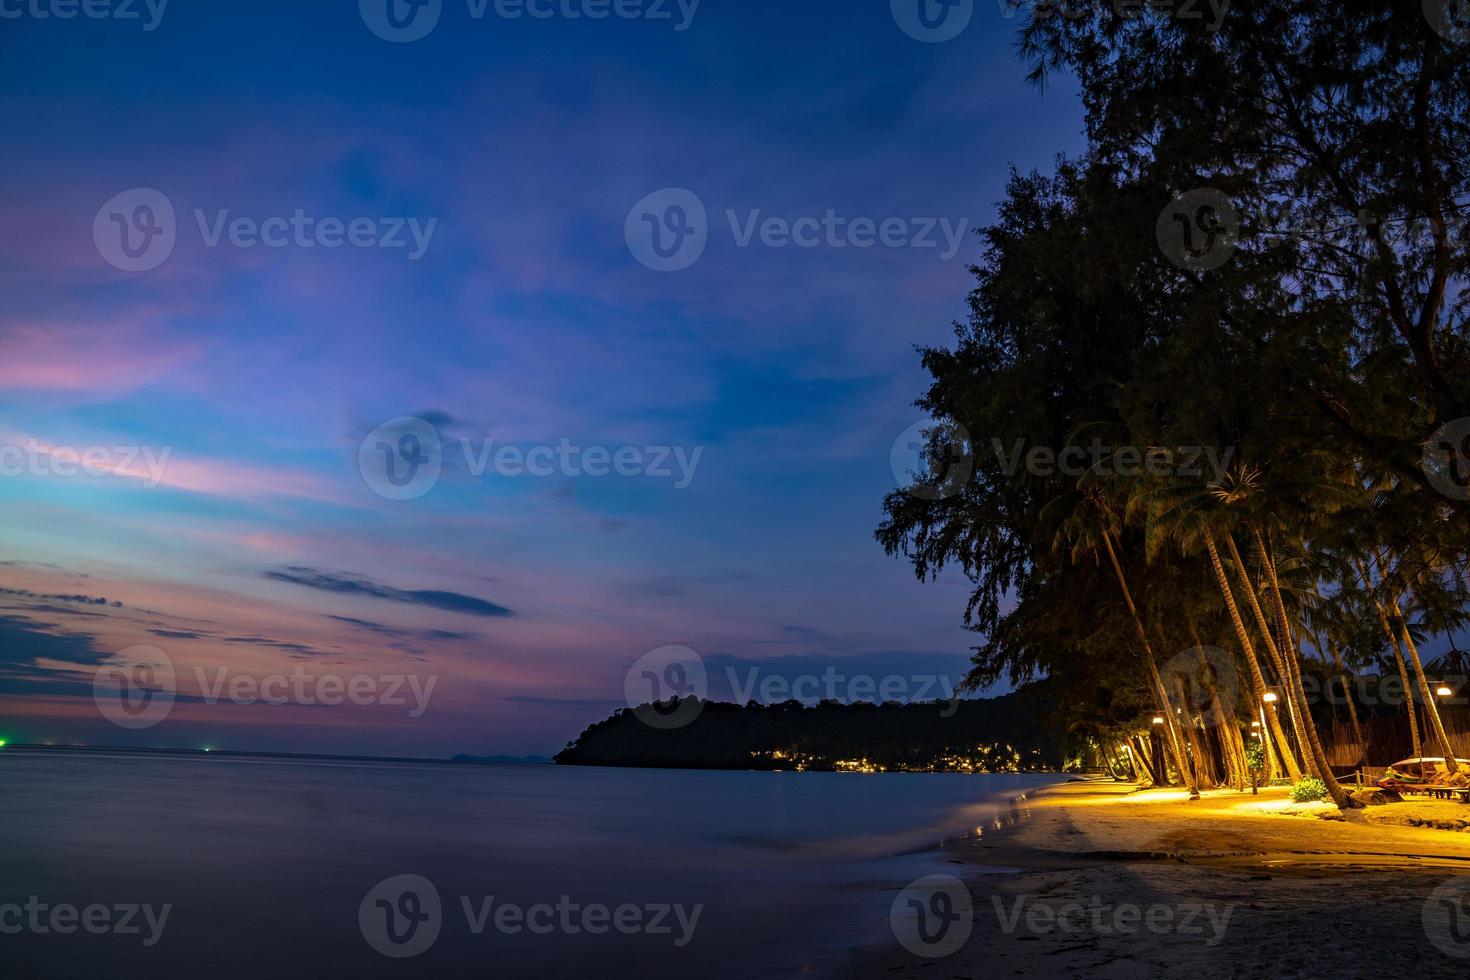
(275, 868)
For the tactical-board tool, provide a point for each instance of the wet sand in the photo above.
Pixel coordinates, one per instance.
(1098, 879)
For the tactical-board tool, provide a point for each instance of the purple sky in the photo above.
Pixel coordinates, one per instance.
(764, 384)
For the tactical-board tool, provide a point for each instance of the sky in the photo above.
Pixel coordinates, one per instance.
(496, 357)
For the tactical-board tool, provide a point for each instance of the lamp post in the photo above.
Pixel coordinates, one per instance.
(1158, 749)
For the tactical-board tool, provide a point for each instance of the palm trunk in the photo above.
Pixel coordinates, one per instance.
(1257, 682)
(1398, 658)
(1204, 774)
(1180, 762)
(1145, 758)
(1431, 708)
(1348, 694)
(1308, 728)
(1278, 657)
(1227, 733)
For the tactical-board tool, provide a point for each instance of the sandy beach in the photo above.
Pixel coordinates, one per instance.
(1100, 879)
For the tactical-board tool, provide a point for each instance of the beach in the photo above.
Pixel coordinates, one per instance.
(1100, 879)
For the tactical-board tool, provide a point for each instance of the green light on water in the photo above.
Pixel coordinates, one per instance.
(3, 743)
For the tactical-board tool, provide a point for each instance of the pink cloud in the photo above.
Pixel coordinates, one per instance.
(94, 358)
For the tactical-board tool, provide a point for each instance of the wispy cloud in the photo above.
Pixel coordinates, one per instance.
(356, 585)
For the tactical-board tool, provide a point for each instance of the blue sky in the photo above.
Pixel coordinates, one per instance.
(521, 314)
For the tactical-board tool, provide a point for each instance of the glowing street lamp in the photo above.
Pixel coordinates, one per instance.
(1269, 697)
(1158, 720)
(1443, 690)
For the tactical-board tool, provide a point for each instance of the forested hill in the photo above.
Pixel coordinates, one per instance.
(1002, 734)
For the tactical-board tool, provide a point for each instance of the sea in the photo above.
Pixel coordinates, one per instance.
(133, 864)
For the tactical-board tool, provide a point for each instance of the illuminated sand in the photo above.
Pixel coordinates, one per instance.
(1298, 895)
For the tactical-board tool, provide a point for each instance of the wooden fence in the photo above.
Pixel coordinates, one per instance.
(1386, 739)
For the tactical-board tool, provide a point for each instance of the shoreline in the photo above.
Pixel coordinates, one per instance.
(1064, 883)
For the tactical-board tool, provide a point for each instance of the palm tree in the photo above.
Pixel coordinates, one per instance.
(1088, 525)
(1190, 513)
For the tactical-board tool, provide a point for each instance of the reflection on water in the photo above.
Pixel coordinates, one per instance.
(266, 863)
